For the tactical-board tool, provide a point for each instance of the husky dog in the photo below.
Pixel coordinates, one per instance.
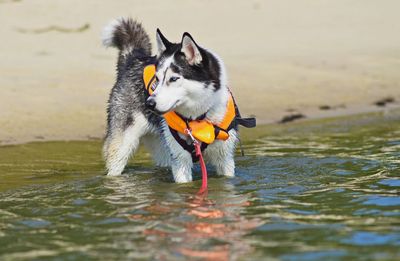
(191, 81)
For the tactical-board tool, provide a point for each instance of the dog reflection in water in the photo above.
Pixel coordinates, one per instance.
(176, 222)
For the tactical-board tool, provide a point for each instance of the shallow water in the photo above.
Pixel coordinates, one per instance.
(303, 192)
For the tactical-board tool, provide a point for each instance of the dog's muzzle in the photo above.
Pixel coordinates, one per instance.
(150, 103)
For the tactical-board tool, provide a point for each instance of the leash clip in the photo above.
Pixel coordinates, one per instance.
(189, 133)
(196, 143)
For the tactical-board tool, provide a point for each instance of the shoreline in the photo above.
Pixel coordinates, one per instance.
(262, 126)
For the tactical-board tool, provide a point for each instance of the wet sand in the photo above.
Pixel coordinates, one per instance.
(317, 59)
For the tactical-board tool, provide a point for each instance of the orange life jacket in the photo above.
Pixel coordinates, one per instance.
(203, 130)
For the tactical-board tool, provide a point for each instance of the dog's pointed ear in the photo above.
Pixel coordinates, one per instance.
(191, 50)
(162, 42)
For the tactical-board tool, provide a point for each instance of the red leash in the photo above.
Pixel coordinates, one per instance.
(203, 167)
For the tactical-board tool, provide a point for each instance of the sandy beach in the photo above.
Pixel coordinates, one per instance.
(311, 58)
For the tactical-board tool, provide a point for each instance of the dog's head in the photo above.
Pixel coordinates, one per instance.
(187, 77)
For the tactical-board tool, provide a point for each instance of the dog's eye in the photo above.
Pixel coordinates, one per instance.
(173, 79)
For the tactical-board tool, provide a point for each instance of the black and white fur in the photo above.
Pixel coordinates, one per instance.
(191, 81)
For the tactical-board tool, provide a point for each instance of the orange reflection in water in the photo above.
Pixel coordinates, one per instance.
(220, 222)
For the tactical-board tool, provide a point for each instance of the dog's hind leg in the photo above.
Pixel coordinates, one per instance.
(120, 144)
(160, 152)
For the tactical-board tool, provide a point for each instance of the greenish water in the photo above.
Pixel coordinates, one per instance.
(310, 191)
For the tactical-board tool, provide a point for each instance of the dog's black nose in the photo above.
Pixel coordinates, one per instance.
(151, 103)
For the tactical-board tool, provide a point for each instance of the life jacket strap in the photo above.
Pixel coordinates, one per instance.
(188, 147)
(246, 122)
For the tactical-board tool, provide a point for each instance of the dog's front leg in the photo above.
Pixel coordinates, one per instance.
(226, 166)
(222, 158)
(182, 167)
(181, 160)
(221, 155)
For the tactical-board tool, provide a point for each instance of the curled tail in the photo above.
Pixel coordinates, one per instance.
(126, 35)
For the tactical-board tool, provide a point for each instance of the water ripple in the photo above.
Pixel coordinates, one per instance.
(303, 196)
